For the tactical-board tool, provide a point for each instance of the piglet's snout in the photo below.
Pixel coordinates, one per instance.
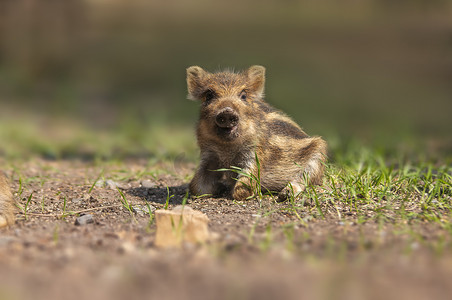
(227, 118)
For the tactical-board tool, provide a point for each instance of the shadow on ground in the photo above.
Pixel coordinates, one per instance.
(174, 195)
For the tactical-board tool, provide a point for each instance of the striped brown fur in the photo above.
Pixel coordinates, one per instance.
(6, 203)
(235, 124)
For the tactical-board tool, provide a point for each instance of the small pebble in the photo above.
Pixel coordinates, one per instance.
(85, 219)
(139, 210)
(113, 184)
(77, 200)
(147, 184)
(100, 183)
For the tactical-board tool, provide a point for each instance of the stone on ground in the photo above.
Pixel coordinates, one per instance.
(180, 225)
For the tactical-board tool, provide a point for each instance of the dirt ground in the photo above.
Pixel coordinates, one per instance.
(260, 250)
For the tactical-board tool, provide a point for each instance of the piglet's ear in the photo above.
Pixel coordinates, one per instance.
(195, 82)
(256, 78)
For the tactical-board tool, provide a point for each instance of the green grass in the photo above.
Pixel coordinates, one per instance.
(125, 203)
(24, 208)
(373, 189)
(368, 190)
(376, 191)
(23, 138)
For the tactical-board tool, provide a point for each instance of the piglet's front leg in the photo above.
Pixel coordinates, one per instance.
(206, 179)
(245, 187)
(241, 191)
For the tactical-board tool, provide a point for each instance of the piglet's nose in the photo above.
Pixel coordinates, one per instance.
(227, 118)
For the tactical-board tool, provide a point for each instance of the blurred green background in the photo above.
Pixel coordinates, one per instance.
(107, 77)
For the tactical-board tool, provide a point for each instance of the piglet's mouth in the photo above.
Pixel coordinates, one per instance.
(228, 132)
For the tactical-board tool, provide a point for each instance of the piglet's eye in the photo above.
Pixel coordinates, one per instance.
(243, 95)
(209, 95)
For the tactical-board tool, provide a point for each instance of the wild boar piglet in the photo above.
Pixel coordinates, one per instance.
(236, 125)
